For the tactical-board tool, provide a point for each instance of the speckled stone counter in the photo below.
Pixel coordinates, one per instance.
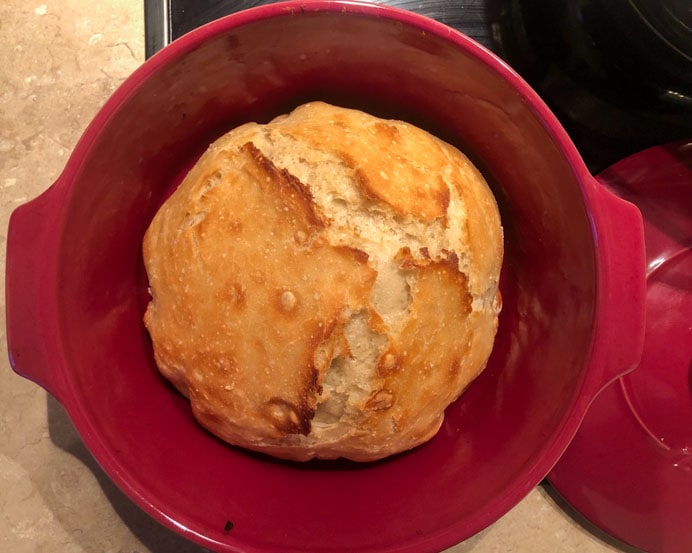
(59, 61)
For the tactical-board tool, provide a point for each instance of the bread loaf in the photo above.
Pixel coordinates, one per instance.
(325, 285)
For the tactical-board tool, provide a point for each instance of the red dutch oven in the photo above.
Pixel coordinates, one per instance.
(572, 283)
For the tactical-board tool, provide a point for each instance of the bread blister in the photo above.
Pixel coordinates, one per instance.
(325, 285)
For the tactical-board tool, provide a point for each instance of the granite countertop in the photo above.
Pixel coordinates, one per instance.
(59, 61)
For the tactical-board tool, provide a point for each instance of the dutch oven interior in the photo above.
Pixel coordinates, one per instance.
(492, 438)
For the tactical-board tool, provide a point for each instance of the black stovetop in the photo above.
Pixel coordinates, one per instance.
(635, 92)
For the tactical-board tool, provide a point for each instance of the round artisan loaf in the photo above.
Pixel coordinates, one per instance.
(325, 285)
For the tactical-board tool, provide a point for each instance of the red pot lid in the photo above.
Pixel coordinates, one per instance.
(629, 468)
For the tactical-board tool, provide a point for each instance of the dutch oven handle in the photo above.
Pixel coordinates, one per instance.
(619, 333)
(30, 276)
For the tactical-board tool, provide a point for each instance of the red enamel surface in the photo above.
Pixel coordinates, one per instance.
(629, 469)
(572, 283)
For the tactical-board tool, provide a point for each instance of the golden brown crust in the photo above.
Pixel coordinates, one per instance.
(325, 285)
